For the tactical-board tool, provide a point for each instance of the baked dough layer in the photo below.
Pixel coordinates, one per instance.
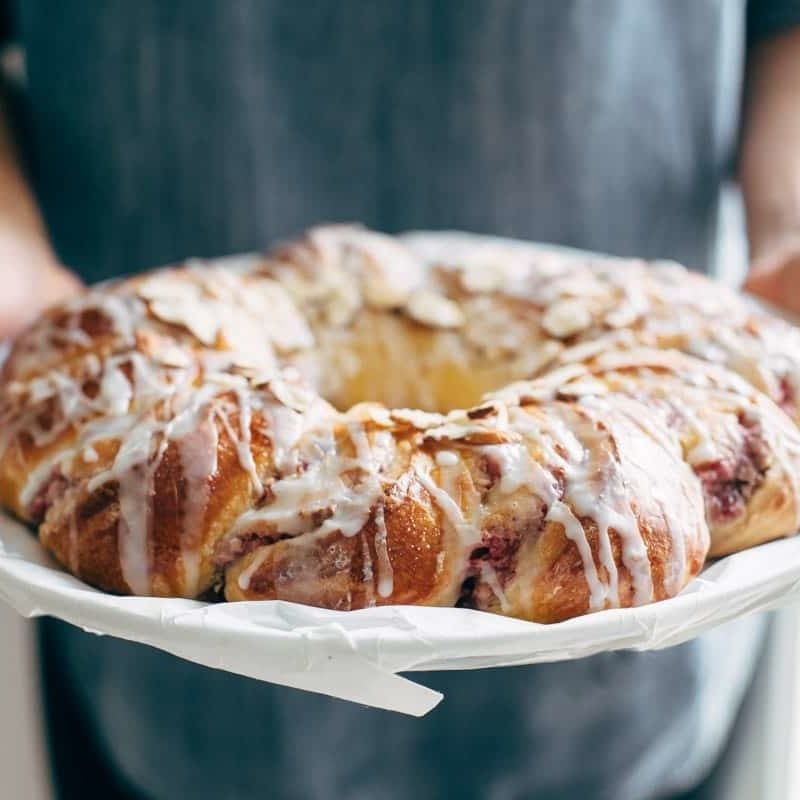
(251, 427)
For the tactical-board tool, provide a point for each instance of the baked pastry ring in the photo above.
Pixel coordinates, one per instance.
(168, 435)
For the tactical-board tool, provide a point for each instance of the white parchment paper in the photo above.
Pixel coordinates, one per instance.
(357, 655)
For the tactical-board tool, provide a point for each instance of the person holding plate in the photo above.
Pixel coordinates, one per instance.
(140, 133)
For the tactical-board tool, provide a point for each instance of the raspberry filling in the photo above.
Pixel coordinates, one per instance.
(728, 483)
(787, 399)
(491, 565)
(234, 547)
(498, 549)
(51, 490)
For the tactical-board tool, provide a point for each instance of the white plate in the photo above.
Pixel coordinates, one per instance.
(356, 655)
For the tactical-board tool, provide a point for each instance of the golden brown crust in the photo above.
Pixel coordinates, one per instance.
(336, 571)
(517, 558)
(95, 512)
(744, 449)
(166, 435)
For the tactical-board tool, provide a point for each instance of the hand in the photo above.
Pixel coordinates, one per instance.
(31, 279)
(775, 277)
(769, 169)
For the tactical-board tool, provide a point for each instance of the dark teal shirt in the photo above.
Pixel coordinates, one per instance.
(202, 127)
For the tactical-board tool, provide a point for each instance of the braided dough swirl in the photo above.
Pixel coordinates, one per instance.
(594, 427)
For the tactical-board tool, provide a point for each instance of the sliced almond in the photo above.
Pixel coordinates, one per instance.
(621, 317)
(475, 435)
(566, 317)
(582, 388)
(292, 396)
(267, 301)
(372, 412)
(482, 278)
(197, 318)
(164, 285)
(431, 308)
(417, 419)
(172, 356)
(343, 300)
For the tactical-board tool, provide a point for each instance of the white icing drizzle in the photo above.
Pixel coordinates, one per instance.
(286, 429)
(244, 442)
(361, 443)
(112, 413)
(241, 441)
(610, 507)
(706, 449)
(590, 489)
(385, 579)
(246, 575)
(124, 311)
(489, 576)
(323, 487)
(446, 458)
(368, 573)
(518, 470)
(316, 487)
(134, 476)
(573, 530)
(678, 523)
(353, 509)
(296, 498)
(36, 479)
(198, 455)
(467, 531)
(116, 390)
(385, 571)
(558, 511)
(134, 468)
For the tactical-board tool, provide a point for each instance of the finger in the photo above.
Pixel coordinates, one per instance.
(778, 284)
(27, 293)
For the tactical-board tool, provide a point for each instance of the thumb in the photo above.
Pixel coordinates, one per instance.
(777, 282)
(27, 292)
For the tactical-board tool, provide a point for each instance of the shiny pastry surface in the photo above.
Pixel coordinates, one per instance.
(354, 419)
